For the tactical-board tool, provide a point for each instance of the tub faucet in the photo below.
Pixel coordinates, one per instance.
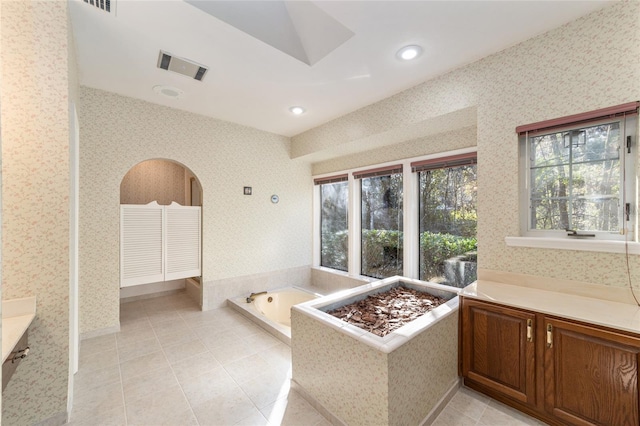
(253, 296)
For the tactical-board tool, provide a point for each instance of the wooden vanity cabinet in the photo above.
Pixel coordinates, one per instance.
(561, 371)
(499, 352)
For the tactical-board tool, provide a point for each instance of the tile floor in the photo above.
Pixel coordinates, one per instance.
(172, 364)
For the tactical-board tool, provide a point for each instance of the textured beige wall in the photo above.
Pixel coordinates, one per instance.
(422, 371)
(35, 199)
(591, 63)
(449, 141)
(346, 376)
(242, 235)
(154, 180)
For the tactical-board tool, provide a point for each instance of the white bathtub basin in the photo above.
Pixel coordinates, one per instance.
(272, 311)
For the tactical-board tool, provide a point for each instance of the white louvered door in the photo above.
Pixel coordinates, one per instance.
(158, 243)
(182, 248)
(141, 244)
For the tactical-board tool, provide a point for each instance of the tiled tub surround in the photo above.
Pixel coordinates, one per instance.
(361, 379)
(277, 323)
(215, 293)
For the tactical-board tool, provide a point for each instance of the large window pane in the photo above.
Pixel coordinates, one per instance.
(382, 226)
(333, 223)
(576, 179)
(448, 221)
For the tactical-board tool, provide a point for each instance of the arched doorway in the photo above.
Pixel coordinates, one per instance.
(160, 189)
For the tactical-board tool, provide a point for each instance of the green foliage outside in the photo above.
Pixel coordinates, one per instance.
(436, 248)
(384, 251)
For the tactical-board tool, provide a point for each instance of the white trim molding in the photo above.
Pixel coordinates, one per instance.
(574, 244)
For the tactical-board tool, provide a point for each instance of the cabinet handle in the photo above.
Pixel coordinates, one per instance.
(549, 335)
(529, 330)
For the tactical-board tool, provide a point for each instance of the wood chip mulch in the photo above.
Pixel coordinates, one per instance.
(385, 312)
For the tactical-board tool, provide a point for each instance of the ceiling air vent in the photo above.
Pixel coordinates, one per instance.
(100, 4)
(168, 62)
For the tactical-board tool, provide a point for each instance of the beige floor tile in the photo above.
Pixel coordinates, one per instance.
(278, 356)
(232, 352)
(166, 406)
(292, 411)
(133, 325)
(267, 388)
(137, 386)
(127, 337)
(177, 353)
(254, 419)
(498, 414)
(86, 380)
(261, 341)
(97, 402)
(194, 366)
(111, 417)
(451, 417)
(208, 385)
(227, 408)
(180, 337)
(137, 348)
(172, 326)
(97, 361)
(213, 337)
(468, 402)
(246, 368)
(246, 328)
(98, 344)
(142, 364)
(164, 316)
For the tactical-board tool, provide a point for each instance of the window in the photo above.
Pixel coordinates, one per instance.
(448, 219)
(381, 222)
(580, 177)
(334, 235)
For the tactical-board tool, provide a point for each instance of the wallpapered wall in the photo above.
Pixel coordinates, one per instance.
(37, 72)
(154, 180)
(433, 144)
(242, 235)
(590, 63)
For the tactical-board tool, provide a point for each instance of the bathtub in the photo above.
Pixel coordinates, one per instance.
(272, 311)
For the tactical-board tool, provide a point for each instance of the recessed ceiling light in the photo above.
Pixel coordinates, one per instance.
(297, 110)
(168, 91)
(408, 53)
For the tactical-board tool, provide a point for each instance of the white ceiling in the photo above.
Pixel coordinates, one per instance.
(252, 83)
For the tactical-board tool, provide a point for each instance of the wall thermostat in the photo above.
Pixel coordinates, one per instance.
(275, 199)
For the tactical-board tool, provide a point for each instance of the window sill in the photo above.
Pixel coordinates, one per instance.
(580, 245)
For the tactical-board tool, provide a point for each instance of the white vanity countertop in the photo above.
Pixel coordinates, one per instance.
(617, 315)
(17, 315)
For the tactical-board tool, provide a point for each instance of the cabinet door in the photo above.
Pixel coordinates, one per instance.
(498, 349)
(591, 375)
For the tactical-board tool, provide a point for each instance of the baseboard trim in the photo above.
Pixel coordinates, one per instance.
(332, 418)
(100, 332)
(55, 420)
(435, 412)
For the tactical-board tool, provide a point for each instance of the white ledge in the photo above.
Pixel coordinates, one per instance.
(574, 244)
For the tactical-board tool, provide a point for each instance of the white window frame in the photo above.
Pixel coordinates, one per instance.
(628, 127)
(410, 212)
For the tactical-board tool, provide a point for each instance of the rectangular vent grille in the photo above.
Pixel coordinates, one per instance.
(167, 61)
(100, 4)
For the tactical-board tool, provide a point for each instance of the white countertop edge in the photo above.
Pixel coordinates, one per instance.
(17, 316)
(19, 307)
(574, 244)
(621, 316)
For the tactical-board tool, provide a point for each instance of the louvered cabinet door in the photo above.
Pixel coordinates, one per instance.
(591, 375)
(498, 349)
(141, 244)
(182, 249)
